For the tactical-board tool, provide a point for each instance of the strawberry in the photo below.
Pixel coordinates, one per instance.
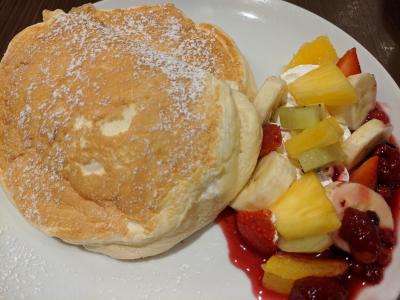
(257, 230)
(366, 174)
(272, 139)
(349, 63)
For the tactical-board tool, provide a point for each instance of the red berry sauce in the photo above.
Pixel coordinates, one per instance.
(359, 274)
(378, 113)
(319, 289)
(362, 235)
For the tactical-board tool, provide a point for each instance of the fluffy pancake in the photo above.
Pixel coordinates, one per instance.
(166, 29)
(112, 141)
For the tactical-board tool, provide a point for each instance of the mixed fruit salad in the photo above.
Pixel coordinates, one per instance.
(316, 216)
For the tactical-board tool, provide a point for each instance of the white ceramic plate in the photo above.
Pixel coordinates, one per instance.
(34, 266)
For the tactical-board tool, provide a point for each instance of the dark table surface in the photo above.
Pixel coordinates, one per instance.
(374, 23)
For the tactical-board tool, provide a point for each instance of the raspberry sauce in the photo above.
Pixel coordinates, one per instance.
(250, 262)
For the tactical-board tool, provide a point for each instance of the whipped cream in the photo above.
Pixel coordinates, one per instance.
(292, 74)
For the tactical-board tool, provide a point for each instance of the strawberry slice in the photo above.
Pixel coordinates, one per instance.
(257, 230)
(366, 174)
(349, 63)
(272, 139)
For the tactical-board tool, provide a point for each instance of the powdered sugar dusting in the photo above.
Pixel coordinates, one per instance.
(78, 52)
(21, 269)
(92, 37)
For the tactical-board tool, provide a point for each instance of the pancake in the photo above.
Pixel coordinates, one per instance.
(167, 29)
(110, 141)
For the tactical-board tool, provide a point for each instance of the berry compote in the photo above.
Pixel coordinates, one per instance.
(371, 245)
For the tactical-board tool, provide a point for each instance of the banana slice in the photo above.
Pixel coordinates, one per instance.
(271, 178)
(250, 138)
(363, 140)
(354, 115)
(358, 196)
(269, 97)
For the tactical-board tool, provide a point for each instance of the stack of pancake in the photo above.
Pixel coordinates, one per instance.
(125, 131)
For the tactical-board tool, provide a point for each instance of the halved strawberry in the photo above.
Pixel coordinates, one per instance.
(258, 230)
(349, 63)
(367, 173)
(272, 139)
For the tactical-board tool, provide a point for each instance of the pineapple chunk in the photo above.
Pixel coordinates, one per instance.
(324, 85)
(312, 244)
(316, 52)
(325, 133)
(299, 117)
(320, 157)
(282, 270)
(277, 284)
(295, 132)
(304, 210)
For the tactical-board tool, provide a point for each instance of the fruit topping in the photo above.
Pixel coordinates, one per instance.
(384, 257)
(276, 283)
(361, 235)
(367, 173)
(318, 288)
(293, 118)
(319, 157)
(370, 245)
(318, 236)
(378, 114)
(387, 237)
(373, 273)
(324, 85)
(312, 244)
(364, 140)
(304, 210)
(271, 178)
(325, 133)
(272, 139)
(360, 197)
(389, 165)
(354, 115)
(258, 230)
(282, 270)
(369, 273)
(373, 217)
(271, 94)
(340, 173)
(349, 63)
(316, 52)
